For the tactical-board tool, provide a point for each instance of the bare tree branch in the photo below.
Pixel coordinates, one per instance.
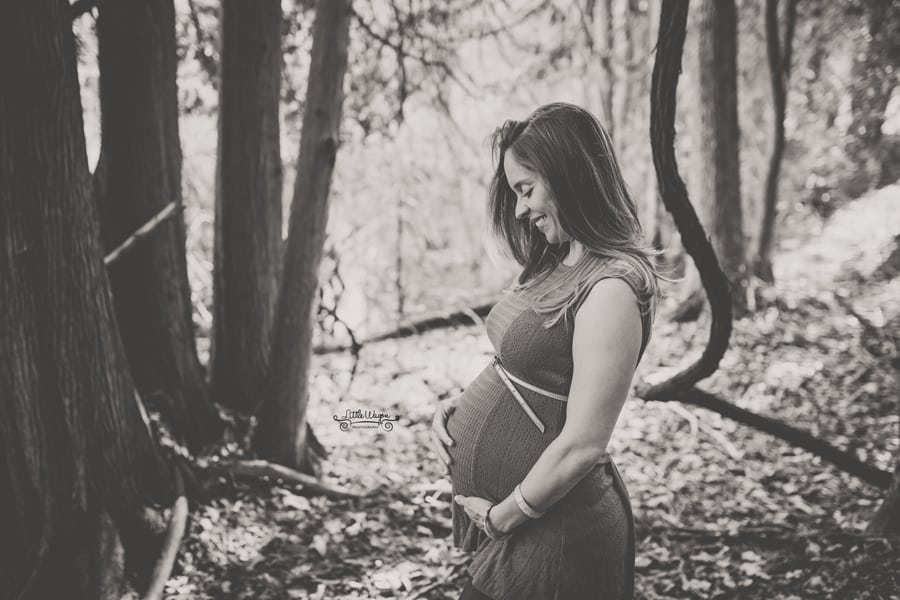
(143, 232)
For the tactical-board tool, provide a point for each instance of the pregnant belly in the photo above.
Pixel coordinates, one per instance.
(495, 443)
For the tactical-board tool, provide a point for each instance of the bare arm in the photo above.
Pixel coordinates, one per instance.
(605, 346)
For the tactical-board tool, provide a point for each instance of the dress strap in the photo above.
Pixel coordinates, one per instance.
(534, 388)
(508, 379)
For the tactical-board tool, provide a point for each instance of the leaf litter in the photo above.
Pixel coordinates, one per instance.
(721, 511)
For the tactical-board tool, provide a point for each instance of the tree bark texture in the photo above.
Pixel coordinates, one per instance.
(779, 55)
(248, 245)
(281, 435)
(75, 453)
(716, 137)
(142, 168)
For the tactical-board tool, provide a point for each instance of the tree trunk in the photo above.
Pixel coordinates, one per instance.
(779, 71)
(142, 166)
(75, 452)
(282, 435)
(716, 142)
(601, 76)
(248, 248)
(650, 207)
(875, 77)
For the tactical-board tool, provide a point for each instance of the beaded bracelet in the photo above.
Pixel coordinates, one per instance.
(489, 528)
(524, 506)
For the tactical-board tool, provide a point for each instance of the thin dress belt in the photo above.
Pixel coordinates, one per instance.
(508, 379)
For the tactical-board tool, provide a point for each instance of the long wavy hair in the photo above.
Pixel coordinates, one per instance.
(571, 151)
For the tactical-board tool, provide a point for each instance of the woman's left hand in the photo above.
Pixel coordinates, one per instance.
(475, 507)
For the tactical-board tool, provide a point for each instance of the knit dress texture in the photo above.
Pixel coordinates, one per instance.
(583, 546)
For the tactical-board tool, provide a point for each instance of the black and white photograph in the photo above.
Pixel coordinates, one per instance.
(450, 300)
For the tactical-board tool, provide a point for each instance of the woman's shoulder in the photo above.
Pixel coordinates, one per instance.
(608, 297)
(618, 279)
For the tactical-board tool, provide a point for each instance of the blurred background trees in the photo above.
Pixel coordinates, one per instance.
(446, 75)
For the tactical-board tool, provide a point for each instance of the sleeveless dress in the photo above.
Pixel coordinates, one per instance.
(583, 546)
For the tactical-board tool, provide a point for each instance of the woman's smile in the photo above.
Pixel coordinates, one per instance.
(533, 200)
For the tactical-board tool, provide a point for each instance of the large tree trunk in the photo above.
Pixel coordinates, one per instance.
(248, 201)
(282, 433)
(779, 55)
(716, 173)
(142, 167)
(75, 453)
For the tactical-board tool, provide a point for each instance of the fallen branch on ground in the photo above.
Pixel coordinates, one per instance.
(795, 436)
(262, 468)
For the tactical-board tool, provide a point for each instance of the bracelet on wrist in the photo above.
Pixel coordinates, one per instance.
(524, 506)
(490, 530)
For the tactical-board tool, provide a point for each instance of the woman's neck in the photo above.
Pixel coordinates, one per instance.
(575, 252)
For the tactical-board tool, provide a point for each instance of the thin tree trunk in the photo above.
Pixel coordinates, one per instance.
(651, 208)
(604, 40)
(282, 434)
(142, 166)
(398, 274)
(622, 58)
(779, 72)
(75, 452)
(716, 145)
(248, 247)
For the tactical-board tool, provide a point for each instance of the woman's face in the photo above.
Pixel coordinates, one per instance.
(533, 201)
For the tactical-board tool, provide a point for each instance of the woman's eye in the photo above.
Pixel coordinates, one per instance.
(528, 193)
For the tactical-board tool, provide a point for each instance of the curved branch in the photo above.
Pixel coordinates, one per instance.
(666, 69)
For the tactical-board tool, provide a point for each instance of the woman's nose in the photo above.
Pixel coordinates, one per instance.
(521, 208)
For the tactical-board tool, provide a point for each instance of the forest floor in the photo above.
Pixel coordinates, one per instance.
(721, 510)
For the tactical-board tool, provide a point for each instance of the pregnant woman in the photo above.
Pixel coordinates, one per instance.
(536, 495)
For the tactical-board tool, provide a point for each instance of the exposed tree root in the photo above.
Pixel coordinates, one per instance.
(174, 534)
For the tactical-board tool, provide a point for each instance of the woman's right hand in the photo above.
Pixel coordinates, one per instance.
(439, 436)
